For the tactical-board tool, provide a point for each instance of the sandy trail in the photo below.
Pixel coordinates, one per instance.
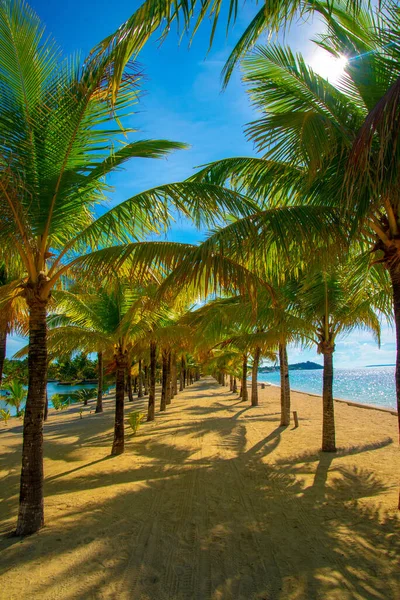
(211, 501)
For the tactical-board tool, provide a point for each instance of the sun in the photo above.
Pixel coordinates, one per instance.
(328, 66)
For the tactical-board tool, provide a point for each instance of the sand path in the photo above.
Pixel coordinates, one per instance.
(211, 501)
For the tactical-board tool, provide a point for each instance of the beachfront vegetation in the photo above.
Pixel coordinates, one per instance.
(158, 17)
(60, 139)
(275, 269)
(16, 394)
(5, 416)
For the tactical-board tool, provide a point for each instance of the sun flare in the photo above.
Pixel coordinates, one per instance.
(328, 66)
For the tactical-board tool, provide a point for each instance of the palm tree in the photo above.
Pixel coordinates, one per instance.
(17, 395)
(233, 325)
(318, 126)
(59, 140)
(332, 145)
(158, 16)
(335, 302)
(107, 322)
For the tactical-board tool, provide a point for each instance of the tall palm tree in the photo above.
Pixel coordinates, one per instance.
(332, 145)
(60, 138)
(335, 302)
(108, 322)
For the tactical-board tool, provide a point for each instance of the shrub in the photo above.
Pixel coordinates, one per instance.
(134, 419)
(4, 415)
(60, 401)
(17, 395)
(84, 395)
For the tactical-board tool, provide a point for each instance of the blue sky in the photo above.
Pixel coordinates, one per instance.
(182, 100)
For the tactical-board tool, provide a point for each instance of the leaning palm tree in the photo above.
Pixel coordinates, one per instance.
(107, 322)
(333, 303)
(252, 330)
(333, 145)
(60, 139)
(157, 16)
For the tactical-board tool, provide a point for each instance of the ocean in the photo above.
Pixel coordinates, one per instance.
(53, 388)
(367, 385)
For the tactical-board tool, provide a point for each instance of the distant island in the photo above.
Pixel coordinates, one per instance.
(302, 366)
(389, 365)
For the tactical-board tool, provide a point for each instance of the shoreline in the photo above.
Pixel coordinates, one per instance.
(384, 409)
(391, 411)
(199, 494)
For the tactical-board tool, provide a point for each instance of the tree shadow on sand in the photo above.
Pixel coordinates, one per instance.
(270, 536)
(183, 521)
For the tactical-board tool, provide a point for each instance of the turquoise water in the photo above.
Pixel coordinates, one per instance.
(368, 385)
(53, 388)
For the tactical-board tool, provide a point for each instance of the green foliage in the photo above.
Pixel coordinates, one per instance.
(135, 418)
(77, 367)
(4, 415)
(84, 395)
(16, 395)
(60, 401)
(16, 370)
(157, 17)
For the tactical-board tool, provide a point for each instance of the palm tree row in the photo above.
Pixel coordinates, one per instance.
(314, 198)
(59, 141)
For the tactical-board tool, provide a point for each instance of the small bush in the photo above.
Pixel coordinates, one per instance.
(17, 395)
(60, 401)
(135, 418)
(84, 395)
(4, 415)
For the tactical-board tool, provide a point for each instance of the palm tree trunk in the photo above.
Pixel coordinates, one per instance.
(129, 384)
(46, 407)
(182, 377)
(230, 383)
(169, 383)
(164, 380)
(99, 403)
(152, 387)
(234, 386)
(135, 385)
(328, 415)
(174, 377)
(119, 441)
(245, 395)
(31, 504)
(254, 374)
(3, 346)
(140, 377)
(285, 385)
(395, 279)
(146, 380)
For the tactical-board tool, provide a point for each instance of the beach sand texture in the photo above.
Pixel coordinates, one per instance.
(213, 500)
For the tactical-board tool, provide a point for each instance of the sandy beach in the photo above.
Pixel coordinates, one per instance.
(213, 500)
